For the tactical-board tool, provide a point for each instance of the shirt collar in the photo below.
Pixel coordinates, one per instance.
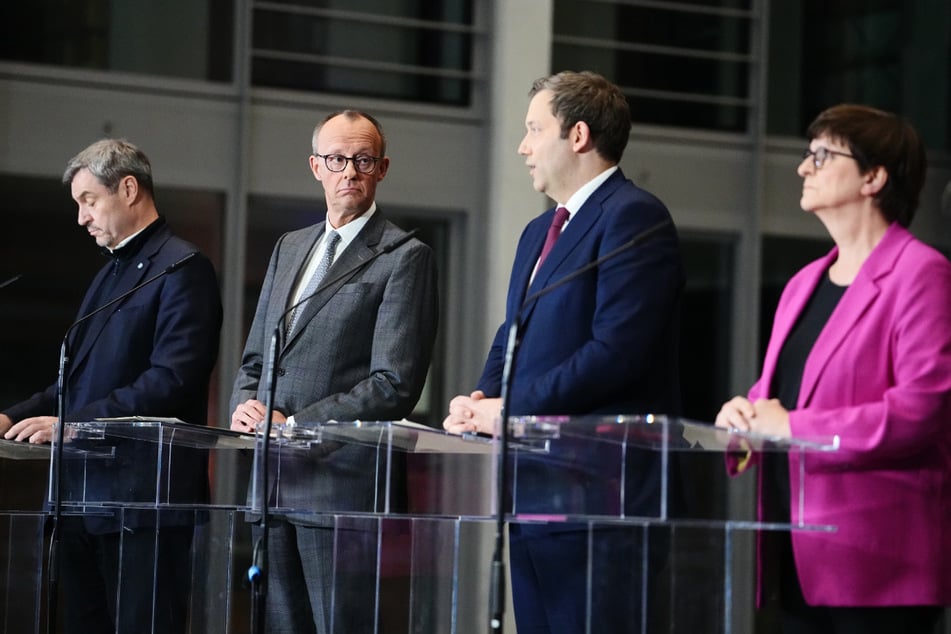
(580, 197)
(350, 230)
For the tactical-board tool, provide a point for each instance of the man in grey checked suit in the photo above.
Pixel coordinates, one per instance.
(359, 350)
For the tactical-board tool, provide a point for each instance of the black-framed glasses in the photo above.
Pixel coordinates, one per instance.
(362, 163)
(821, 154)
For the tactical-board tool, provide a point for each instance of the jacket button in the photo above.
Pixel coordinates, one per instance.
(281, 371)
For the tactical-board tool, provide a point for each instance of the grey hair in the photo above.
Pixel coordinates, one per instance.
(111, 160)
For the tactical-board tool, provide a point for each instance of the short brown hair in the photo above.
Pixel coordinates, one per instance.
(880, 139)
(589, 97)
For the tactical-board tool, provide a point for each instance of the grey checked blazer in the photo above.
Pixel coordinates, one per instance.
(361, 350)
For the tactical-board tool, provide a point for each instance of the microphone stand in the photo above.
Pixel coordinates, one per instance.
(497, 578)
(257, 572)
(59, 437)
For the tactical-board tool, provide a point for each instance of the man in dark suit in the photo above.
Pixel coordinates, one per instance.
(357, 347)
(151, 354)
(605, 342)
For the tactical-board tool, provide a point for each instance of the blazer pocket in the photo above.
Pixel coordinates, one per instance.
(355, 288)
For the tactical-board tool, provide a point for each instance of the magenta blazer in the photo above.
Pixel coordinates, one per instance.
(879, 378)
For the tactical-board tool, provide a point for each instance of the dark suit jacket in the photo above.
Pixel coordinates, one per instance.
(150, 355)
(360, 351)
(605, 342)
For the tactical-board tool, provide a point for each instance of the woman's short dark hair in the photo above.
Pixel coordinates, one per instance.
(880, 139)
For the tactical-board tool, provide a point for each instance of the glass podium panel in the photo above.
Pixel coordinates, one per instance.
(25, 469)
(602, 467)
(26, 465)
(145, 463)
(22, 561)
(414, 552)
(412, 513)
(558, 469)
(388, 467)
(126, 472)
(400, 574)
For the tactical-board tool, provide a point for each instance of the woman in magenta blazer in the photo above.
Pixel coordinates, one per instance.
(861, 350)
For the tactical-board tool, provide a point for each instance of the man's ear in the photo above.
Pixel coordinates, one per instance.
(128, 188)
(580, 137)
(382, 168)
(315, 166)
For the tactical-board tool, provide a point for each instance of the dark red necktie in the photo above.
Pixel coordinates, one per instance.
(561, 215)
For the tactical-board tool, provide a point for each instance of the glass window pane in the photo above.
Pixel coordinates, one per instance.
(782, 258)
(654, 25)
(680, 64)
(706, 319)
(887, 53)
(366, 82)
(175, 38)
(408, 51)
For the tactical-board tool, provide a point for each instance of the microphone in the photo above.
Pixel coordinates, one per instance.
(58, 435)
(11, 280)
(497, 580)
(257, 572)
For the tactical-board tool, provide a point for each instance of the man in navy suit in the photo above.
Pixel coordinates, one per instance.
(151, 354)
(605, 342)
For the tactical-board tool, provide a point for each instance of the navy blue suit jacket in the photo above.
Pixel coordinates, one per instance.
(605, 342)
(150, 355)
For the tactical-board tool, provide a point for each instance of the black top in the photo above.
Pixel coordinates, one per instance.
(781, 580)
(787, 381)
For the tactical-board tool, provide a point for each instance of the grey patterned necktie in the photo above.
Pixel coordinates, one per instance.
(333, 238)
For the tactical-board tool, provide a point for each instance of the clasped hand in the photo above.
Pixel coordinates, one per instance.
(473, 413)
(764, 416)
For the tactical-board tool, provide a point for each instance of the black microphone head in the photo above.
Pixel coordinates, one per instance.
(11, 280)
(184, 260)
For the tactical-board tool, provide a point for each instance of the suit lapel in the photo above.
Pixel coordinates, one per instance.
(855, 302)
(133, 275)
(578, 228)
(289, 268)
(363, 247)
(525, 262)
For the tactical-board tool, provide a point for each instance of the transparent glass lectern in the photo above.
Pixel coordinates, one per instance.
(145, 474)
(418, 533)
(24, 470)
